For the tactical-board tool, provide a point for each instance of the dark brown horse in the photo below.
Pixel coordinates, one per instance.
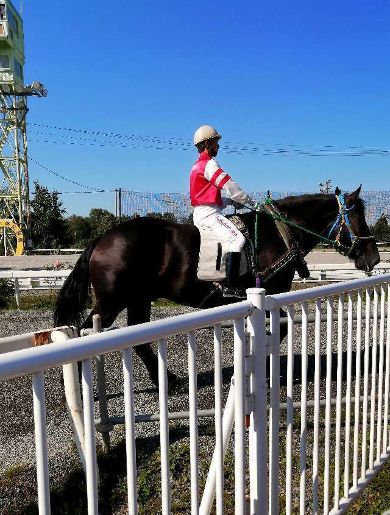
(148, 258)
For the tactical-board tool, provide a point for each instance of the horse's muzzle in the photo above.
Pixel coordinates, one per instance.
(368, 258)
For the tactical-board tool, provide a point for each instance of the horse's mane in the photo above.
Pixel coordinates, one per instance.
(297, 200)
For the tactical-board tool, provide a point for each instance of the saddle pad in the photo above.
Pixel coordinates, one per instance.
(212, 257)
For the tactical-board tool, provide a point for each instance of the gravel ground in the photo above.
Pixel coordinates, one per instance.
(17, 430)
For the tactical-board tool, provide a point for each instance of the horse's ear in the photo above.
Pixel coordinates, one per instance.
(350, 199)
(337, 191)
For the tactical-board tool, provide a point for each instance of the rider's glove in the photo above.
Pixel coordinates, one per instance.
(237, 205)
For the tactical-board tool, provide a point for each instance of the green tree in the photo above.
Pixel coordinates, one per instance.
(101, 221)
(163, 216)
(47, 218)
(78, 230)
(381, 230)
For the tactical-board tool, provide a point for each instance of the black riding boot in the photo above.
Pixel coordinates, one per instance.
(231, 288)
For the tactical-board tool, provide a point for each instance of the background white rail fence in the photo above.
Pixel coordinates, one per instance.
(332, 446)
(34, 280)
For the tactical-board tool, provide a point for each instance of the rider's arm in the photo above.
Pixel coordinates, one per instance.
(214, 173)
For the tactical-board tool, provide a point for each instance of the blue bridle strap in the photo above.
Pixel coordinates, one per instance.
(342, 219)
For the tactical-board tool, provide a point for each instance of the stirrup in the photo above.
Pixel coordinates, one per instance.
(229, 291)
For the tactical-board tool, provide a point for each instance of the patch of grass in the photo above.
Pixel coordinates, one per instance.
(165, 303)
(12, 473)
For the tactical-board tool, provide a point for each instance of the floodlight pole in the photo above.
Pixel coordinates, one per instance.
(14, 199)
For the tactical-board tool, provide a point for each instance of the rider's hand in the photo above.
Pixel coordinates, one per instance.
(237, 205)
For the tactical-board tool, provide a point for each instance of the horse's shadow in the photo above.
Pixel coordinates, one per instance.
(206, 378)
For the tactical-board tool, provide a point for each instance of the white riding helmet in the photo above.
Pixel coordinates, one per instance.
(205, 132)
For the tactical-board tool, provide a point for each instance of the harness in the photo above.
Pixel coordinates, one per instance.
(342, 221)
(294, 252)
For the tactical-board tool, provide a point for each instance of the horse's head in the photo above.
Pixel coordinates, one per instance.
(354, 234)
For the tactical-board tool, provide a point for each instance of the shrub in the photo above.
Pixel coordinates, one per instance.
(7, 291)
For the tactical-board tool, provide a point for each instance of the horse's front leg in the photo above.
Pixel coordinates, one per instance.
(138, 315)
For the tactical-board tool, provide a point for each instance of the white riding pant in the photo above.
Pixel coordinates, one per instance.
(210, 216)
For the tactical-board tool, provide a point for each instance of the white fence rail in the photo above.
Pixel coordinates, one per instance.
(331, 452)
(34, 280)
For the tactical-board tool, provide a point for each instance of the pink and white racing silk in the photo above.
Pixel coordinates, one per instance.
(206, 182)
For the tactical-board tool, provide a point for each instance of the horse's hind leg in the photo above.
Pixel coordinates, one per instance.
(108, 313)
(138, 315)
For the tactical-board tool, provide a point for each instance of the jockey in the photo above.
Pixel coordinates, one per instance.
(206, 182)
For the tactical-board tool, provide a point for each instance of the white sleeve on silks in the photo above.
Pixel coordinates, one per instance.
(226, 201)
(214, 173)
(236, 193)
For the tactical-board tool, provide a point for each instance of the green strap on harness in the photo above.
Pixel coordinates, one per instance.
(284, 220)
(274, 216)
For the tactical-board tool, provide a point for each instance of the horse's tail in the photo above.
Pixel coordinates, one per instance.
(72, 298)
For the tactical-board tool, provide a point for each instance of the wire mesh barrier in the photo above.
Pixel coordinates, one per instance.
(309, 415)
(179, 204)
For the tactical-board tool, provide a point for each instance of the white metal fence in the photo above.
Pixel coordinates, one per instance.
(336, 373)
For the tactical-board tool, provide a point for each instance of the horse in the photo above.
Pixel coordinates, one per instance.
(147, 258)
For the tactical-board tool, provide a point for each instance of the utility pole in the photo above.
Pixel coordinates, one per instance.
(118, 203)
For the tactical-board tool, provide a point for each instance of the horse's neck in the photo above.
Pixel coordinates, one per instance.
(315, 214)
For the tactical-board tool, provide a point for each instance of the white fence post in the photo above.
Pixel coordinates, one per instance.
(258, 417)
(72, 394)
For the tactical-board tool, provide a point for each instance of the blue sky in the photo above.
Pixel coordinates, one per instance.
(269, 73)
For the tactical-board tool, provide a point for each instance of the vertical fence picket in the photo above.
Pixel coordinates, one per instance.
(90, 443)
(317, 370)
(387, 372)
(339, 393)
(357, 389)
(290, 414)
(328, 389)
(380, 378)
(41, 443)
(304, 360)
(239, 415)
(164, 429)
(131, 459)
(193, 422)
(348, 396)
(218, 418)
(274, 414)
(373, 379)
(365, 382)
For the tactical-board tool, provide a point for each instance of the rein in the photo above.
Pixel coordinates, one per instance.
(341, 221)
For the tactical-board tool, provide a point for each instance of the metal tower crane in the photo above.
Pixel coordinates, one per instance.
(14, 183)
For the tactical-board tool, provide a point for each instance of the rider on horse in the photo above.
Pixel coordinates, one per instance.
(206, 182)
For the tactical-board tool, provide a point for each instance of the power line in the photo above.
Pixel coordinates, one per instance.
(96, 190)
(161, 143)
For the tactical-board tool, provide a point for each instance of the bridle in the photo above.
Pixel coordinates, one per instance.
(342, 220)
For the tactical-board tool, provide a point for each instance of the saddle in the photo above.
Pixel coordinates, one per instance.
(212, 256)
